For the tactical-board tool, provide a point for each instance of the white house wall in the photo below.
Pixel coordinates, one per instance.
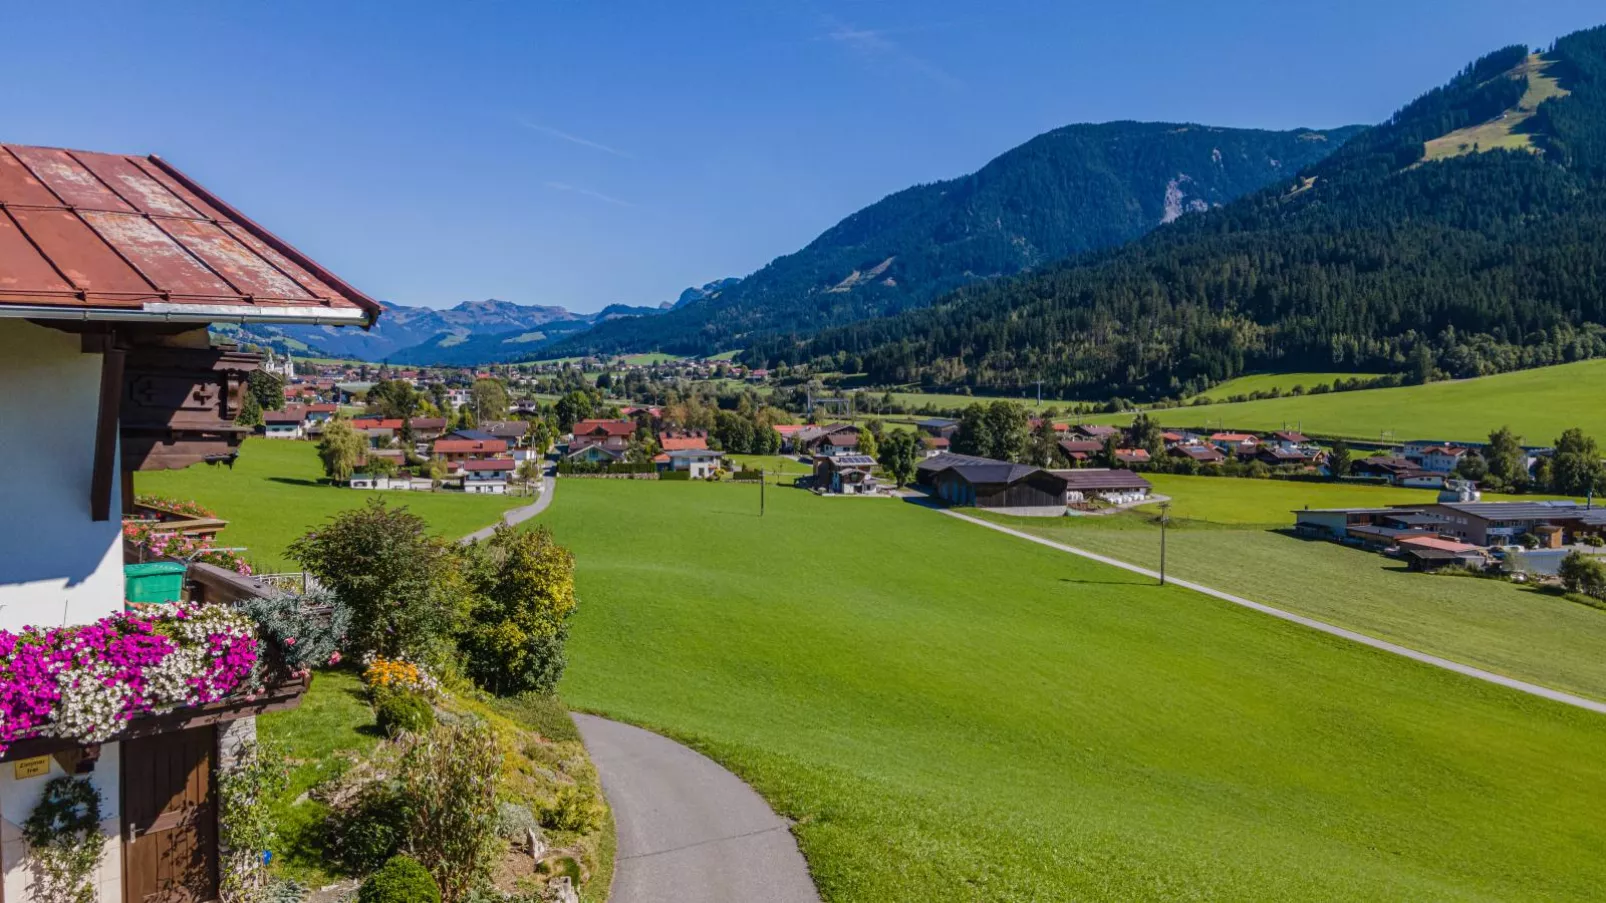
(17, 801)
(57, 566)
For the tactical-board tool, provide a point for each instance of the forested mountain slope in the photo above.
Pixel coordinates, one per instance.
(1075, 189)
(1474, 258)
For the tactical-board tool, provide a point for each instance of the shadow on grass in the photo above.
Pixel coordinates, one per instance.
(1135, 581)
(298, 481)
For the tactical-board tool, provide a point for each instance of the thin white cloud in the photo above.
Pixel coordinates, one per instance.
(878, 43)
(572, 139)
(587, 192)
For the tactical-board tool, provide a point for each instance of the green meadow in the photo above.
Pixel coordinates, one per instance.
(1538, 404)
(1230, 534)
(949, 713)
(274, 494)
(1281, 382)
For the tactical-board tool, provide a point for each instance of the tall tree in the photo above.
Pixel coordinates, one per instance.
(395, 399)
(1506, 460)
(1338, 459)
(900, 456)
(1575, 468)
(268, 389)
(522, 594)
(489, 398)
(340, 449)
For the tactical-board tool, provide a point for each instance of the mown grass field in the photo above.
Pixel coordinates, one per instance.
(1266, 382)
(1226, 533)
(273, 495)
(954, 714)
(1233, 500)
(1538, 404)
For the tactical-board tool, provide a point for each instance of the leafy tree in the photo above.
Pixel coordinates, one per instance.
(522, 593)
(996, 430)
(1472, 467)
(1505, 459)
(1582, 573)
(1043, 448)
(900, 456)
(1575, 468)
(539, 436)
(1338, 459)
(1146, 433)
(381, 466)
(489, 399)
(268, 389)
(399, 583)
(465, 418)
(1106, 454)
(573, 408)
(395, 399)
(869, 440)
(340, 448)
(250, 410)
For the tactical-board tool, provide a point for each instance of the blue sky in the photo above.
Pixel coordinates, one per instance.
(584, 152)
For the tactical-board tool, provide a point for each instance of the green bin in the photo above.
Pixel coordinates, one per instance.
(156, 581)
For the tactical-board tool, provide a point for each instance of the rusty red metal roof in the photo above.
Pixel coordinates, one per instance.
(98, 235)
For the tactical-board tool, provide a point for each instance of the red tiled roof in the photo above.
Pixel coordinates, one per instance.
(1433, 542)
(491, 464)
(322, 408)
(282, 416)
(682, 443)
(787, 429)
(375, 423)
(83, 231)
(469, 446)
(605, 427)
(1232, 437)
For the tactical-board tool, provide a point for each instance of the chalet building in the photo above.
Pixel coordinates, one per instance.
(934, 445)
(489, 476)
(788, 432)
(1277, 455)
(834, 439)
(1079, 451)
(612, 435)
(939, 427)
(683, 440)
(287, 424)
(1199, 454)
(428, 429)
(458, 451)
(510, 431)
(111, 269)
(1128, 457)
(1437, 458)
(846, 474)
(1095, 432)
(701, 463)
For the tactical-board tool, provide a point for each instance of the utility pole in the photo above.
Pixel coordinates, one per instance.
(1039, 393)
(761, 492)
(1165, 518)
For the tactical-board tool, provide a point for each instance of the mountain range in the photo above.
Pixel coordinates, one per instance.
(1074, 189)
(472, 332)
(1465, 235)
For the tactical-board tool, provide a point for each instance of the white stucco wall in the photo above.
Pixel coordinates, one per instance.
(17, 801)
(56, 565)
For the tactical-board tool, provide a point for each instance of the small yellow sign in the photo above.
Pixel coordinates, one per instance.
(38, 766)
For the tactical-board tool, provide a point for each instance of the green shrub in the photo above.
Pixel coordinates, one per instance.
(675, 475)
(371, 830)
(400, 880)
(397, 712)
(575, 810)
(515, 822)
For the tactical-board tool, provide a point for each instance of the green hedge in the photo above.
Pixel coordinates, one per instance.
(748, 476)
(675, 475)
(572, 467)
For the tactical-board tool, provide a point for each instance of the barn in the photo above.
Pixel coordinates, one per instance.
(1000, 484)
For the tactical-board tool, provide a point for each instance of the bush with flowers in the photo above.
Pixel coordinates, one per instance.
(160, 543)
(186, 507)
(85, 683)
(398, 675)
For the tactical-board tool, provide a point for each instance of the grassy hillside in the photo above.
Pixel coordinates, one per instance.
(1537, 403)
(273, 495)
(952, 714)
(1267, 382)
(1222, 536)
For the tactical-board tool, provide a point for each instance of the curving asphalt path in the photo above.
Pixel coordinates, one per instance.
(519, 515)
(1521, 686)
(690, 831)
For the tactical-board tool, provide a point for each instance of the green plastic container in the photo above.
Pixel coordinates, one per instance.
(156, 581)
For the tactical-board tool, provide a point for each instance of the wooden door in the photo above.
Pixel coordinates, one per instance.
(170, 849)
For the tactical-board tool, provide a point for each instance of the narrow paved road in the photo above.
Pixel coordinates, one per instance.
(1434, 660)
(690, 831)
(519, 515)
